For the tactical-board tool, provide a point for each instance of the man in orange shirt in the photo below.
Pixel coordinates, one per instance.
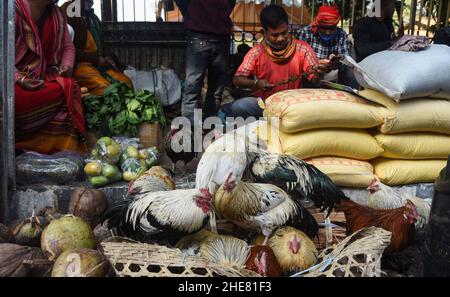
(279, 63)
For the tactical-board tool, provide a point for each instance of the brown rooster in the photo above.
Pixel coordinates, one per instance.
(400, 221)
(263, 261)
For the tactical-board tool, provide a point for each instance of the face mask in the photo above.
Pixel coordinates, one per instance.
(277, 48)
(327, 38)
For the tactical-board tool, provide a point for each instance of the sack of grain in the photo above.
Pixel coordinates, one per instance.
(345, 172)
(414, 115)
(307, 109)
(262, 135)
(403, 75)
(415, 146)
(401, 172)
(348, 143)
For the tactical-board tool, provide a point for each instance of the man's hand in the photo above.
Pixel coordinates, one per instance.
(65, 71)
(30, 84)
(264, 85)
(322, 68)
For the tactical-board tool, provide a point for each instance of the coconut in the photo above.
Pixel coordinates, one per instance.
(80, 263)
(6, 235)
(18, 261)
(88, 204)
(67, 233)
(28, 232)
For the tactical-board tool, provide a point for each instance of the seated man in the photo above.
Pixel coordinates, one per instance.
(327, 40)
(279, 63)
(375, 34)
(48, 106)
(93, 70)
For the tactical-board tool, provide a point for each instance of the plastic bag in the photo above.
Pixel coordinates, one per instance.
(107, 150)
(133, 168)
(150, 156)
(61, 168)
(125, 142)
(164, 83)
(101, 173)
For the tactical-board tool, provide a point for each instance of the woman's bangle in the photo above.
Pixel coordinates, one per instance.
(21, 80)
(255, 83)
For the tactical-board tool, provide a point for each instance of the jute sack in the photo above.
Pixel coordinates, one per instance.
(348, 143)
(414, 115)
(345, 172)
(415, 146)
(306, 109)
(402, 172)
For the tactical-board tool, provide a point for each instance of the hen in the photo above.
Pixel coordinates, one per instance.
(179, 146)
(293, 249)
(399, 221)
(300, 179)
(156, 179)
(263, 207)
(170, 214)
(223, 163)
(262, 260)
(382, 196)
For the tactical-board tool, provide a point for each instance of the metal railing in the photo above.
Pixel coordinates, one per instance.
(7, 156)
(421, 17)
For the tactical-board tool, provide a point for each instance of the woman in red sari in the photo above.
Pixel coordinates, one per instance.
(48, 105)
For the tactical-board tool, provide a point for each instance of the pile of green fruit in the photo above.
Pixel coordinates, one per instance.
(108, 155)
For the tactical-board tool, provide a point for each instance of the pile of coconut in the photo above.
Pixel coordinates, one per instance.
(52, 244)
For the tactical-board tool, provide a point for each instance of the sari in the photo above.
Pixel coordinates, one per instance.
(51, 119)
(89, 46)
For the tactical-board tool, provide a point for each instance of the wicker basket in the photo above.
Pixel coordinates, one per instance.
(332, 234)
(150, 260)
(358, 255)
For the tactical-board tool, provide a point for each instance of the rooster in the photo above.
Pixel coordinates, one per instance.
(170, 214)
(263, 207)
(382, 196)
(156, 179)
(293, 249)
(300, 179)
(226, 250)
(186, 153)
(263, 261)
(400, 221)
(223, 163)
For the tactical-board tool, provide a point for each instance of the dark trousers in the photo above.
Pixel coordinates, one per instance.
(205, 54)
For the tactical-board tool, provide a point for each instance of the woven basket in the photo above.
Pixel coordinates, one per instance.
(358, 255)
(331, 234)
(150, 260)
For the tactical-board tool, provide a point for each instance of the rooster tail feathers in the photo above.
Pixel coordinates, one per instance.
(116, 215)
(325, 193)
(304, 221)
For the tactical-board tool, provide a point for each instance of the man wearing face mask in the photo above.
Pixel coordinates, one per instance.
(327, 40)
(279, 63)
(375, 34)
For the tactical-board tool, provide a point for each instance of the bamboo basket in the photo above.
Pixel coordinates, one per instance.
(150, 134)
(358, 255)
(331, 234)
(149, 260)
